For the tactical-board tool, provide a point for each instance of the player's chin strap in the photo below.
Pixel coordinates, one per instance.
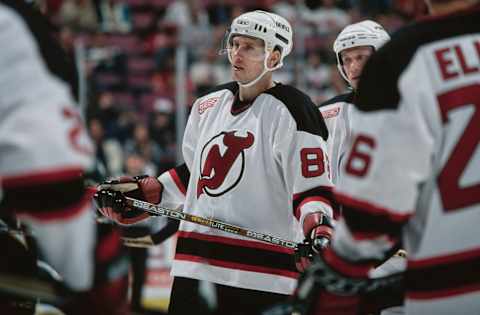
(265, 70)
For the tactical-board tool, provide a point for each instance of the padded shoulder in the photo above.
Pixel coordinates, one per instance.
(302, 109)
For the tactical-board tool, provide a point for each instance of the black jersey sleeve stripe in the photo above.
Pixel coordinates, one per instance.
(231, 86)
(46, 197)
(181, 176)
(444, 278)
(323, 192)
(375, 224)
(302, 109)
(347, 98)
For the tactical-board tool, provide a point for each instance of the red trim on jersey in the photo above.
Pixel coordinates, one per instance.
(429, 295)
(446, 259)
(62, 214)
(298, 210)
(237, 266)
(41, 177)
(177, 181)
(369, 207)
(235, 242)
(344, 267)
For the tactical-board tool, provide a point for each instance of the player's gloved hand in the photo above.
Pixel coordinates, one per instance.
(318, 229)
(110, 201)
(312, 298)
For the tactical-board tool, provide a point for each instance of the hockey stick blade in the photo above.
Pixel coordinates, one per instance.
(212, 223)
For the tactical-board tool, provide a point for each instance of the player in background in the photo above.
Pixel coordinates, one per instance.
(412, 175)
(352, 47)
(254, 153)
(44, 152)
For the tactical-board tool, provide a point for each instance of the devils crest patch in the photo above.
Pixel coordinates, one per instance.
(222, 162)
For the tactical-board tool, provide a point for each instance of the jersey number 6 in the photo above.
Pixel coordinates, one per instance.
(358, 161)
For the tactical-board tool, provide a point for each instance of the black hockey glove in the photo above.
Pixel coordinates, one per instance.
(318, 229)
(110, 197)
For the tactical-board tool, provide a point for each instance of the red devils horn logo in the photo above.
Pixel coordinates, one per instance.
(222, 163)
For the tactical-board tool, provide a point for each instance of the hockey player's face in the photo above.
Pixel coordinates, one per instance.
(353, 60)
(247, 57)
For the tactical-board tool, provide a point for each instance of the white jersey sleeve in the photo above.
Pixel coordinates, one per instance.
(305, 165)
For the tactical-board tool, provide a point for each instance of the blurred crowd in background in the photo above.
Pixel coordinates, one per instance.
(129, 51)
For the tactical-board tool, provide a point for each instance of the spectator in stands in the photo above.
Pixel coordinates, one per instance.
(208, 71)
(79, 14)
(114, 16)
(163, 44)
(287, 9)
(136, 165)
(318, 75)
(219, 12)
(109, 153)
(191, 17)
(143, 145)
(162, 131)
(325, 16)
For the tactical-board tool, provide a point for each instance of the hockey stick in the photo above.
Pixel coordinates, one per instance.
(212, 223)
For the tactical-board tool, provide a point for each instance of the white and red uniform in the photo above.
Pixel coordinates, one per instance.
(259, 165)
(412, 175)
(44, 150)
(337, 114)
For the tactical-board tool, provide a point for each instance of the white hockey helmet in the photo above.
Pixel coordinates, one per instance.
(365, 33)
(275, 31)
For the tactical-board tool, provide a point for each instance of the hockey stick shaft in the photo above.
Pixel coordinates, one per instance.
(212, 223)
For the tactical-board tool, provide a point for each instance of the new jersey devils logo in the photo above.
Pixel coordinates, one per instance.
(222, 163)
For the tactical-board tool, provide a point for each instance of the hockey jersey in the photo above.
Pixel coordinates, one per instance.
(337, 114)
(412, 174)
(44, 149)
(260, 165)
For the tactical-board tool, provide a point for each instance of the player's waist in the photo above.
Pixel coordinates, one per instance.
(235, 253)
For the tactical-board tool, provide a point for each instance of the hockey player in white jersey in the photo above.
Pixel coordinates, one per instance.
(352, 47)
(44, 150)
(411, 175)
(255, 156)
